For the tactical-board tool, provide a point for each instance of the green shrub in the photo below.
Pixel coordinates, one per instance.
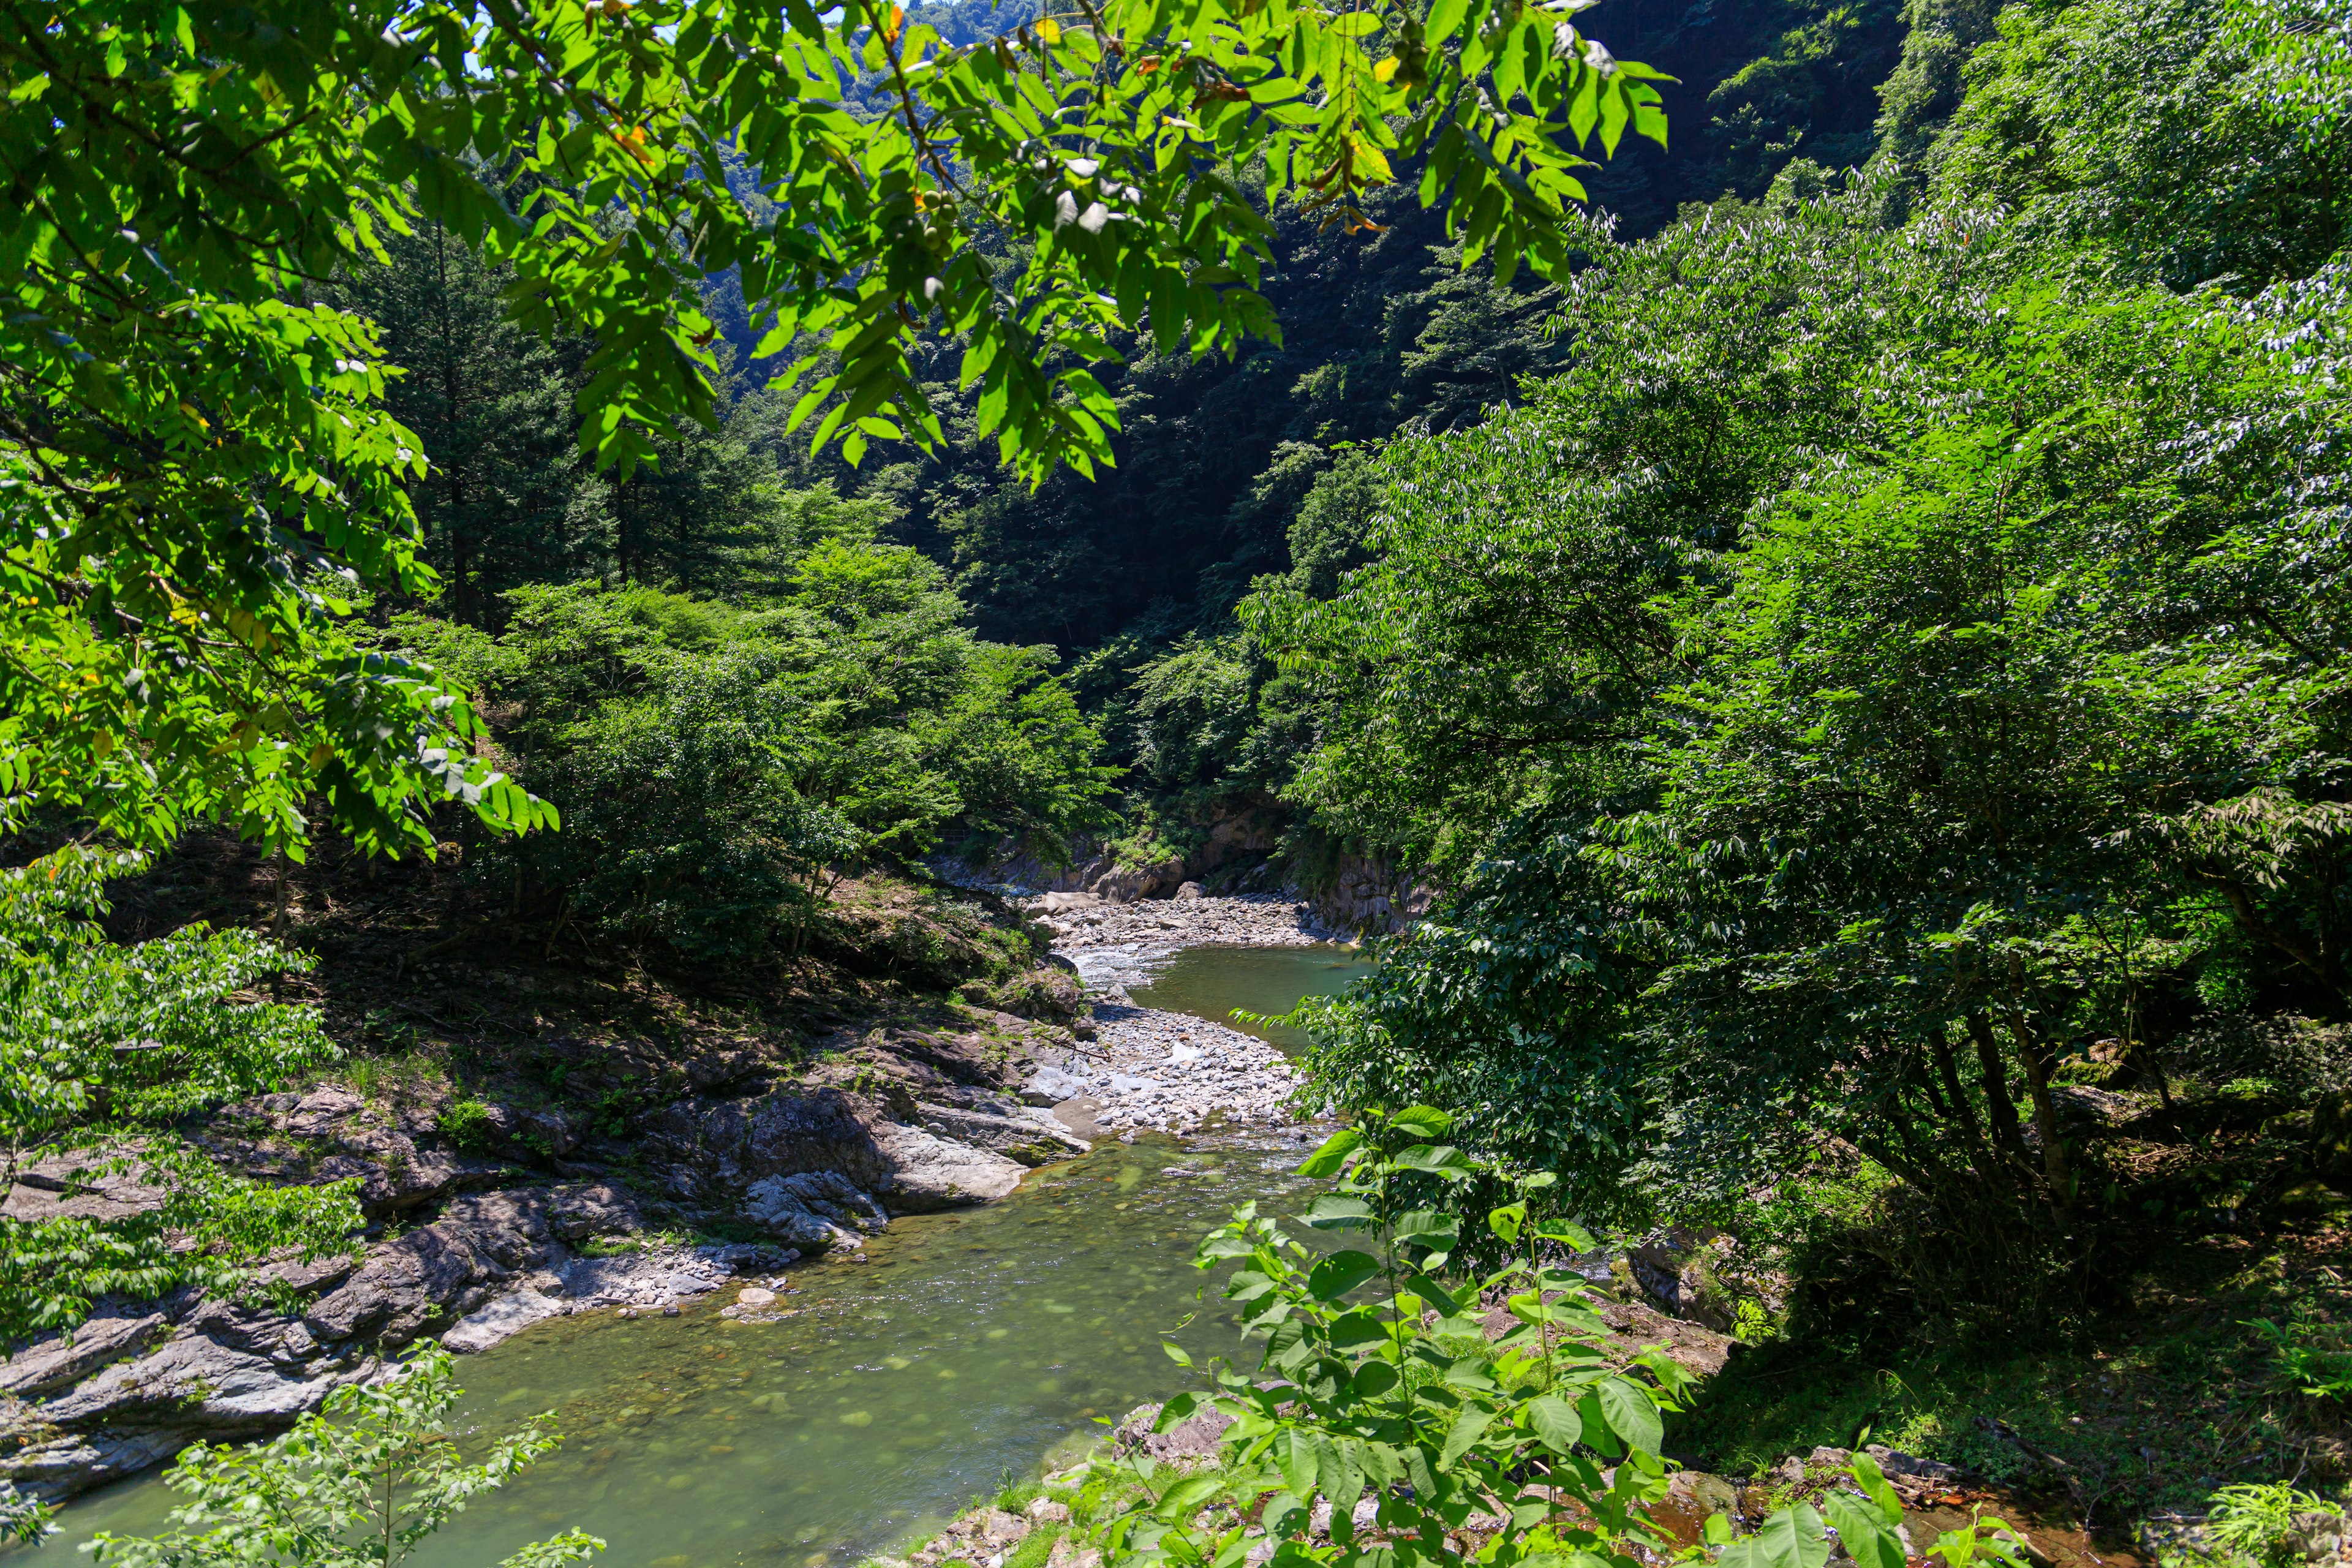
(465, 1123)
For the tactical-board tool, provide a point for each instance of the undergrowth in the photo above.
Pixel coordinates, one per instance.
(2152, 1406)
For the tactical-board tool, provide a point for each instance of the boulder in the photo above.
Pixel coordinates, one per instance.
(576, 1212)
(722, 1147)
(1050, 1086)
(1126, 884)
(1190, 891)
(813, 1210)
(197, 1383)
(1194, 1438)
(1027, 1136)
(82, 1186)
(929, 1173)
(479, 1331)
(446, 1269)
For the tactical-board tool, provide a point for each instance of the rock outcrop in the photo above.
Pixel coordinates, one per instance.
(493, 1213)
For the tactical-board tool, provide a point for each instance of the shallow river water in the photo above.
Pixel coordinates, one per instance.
(1211, 982)
(969, 1347)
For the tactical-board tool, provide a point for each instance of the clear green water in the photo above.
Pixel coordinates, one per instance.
(972, 1345)
(1211, 982)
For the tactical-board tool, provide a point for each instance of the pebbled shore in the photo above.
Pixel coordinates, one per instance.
(1164, 1072)
(1081, 923)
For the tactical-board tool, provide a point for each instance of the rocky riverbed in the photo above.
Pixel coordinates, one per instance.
(1081, 921)
(1163, 1072)
(489, 1215)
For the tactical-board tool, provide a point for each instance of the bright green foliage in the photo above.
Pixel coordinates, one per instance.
(194, 454)
(1380, 1380)
(2313, 1359)
(2250, 1523)
(2172, 142)
(1512, 1004)
(1375, 1374)
(106, 1048)
(1878, 672)
(719, 762)
(360, 1484)
(1511, 627)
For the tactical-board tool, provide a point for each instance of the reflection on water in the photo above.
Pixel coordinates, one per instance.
(973, 1344)
(1211, 982)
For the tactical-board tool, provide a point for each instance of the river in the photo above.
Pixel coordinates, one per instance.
(969, 1348)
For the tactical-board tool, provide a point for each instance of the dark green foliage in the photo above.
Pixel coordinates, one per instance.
(1890, 667)
(508, 498)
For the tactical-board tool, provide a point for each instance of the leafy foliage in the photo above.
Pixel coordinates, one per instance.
(1892, 662)
(723, 761)
(1380, 1383)
(106, 1049)
(1376, 1375)
(363, 1481)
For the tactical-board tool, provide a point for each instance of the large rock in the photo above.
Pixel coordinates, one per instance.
(1021, 1133)
(55, 1363)
(444, 1270)
(198, 1383)
(814, 1210)
(716, 1147)
(82, 1186)
(1125, 884)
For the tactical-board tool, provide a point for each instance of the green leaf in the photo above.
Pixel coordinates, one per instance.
(1632, 1414)
(1792, 1537)
(1425, 1122)
(1467, 1429)
(1341, 1272)
(1183, 1499)
(1554, 1420)
(1864, 1534)
(1334, 1211)
(1333, 1152)
(1873, 1481)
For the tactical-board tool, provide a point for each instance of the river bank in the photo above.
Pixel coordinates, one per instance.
(1080, 922)
(834, 1180)
(1150, 1071)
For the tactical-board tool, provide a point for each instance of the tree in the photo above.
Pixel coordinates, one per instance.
(360, 1484)
(103, 1050)
(190, 448)
(1879, 674)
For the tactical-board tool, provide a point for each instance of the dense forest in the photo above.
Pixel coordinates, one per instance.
(1840, 606)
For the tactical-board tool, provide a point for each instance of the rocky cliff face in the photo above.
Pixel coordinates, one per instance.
(1370, 897)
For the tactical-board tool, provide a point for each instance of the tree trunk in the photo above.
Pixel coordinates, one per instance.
(2054, 1166)
(1993, 1074)
(1947, 1073)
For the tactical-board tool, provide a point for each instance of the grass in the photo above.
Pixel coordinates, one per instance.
(1035, 1548)
(2154, 1406)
